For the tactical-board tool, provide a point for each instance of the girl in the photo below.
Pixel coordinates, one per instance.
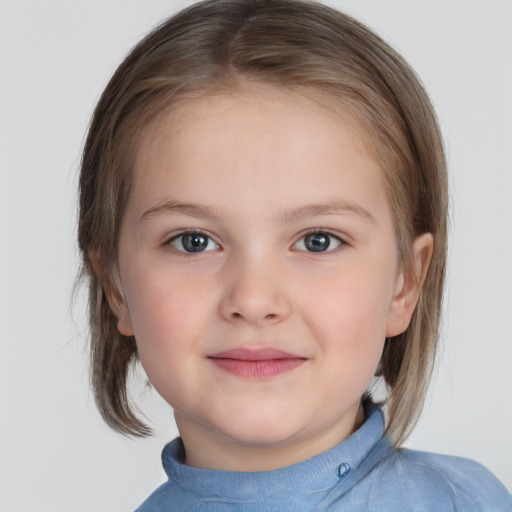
(263, 225)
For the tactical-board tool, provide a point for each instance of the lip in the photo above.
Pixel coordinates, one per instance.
(259, 363)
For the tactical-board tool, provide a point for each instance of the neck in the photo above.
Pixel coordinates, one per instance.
(208, 449)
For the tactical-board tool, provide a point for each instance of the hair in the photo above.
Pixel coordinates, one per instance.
(214, 46)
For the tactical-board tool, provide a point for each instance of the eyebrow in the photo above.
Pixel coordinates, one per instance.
(334, 207)
(191, 209)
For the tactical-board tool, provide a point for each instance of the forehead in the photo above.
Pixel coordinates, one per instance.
(194, 107)
(260, 137)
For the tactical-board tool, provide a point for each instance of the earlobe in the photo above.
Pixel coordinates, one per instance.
(124, 325)
(114, 296)
(124, 329)
(408, 287)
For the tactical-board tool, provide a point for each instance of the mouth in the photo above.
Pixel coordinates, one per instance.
(261, 363)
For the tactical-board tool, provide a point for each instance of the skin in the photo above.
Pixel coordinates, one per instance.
(249, 166)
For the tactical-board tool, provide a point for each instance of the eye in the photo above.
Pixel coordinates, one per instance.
(192, 242)
(318, 241)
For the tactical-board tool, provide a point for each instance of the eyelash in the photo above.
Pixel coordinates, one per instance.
(322, 231)
(185, 233)
(303, 237)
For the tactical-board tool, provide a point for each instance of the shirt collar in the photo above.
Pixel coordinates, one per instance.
(339, 468)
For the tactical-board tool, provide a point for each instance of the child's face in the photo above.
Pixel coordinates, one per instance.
(258, 228)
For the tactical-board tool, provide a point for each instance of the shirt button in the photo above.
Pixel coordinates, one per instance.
(342, 470)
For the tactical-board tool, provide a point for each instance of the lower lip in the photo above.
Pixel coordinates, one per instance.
(257, 369)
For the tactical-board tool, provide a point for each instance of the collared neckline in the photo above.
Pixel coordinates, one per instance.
(338, 469)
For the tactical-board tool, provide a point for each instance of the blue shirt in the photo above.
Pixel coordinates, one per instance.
(365, 473)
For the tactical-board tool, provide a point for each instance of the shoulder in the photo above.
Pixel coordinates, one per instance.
(167, 497)
(446, 483)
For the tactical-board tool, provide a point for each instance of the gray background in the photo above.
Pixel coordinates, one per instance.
(55, 58)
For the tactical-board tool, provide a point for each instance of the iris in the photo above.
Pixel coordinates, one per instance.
(194, 242)
(317, 242)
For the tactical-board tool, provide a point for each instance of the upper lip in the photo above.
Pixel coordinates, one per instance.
(254, 354)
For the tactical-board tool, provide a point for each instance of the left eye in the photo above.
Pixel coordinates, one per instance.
(319, 241)
(193, 242)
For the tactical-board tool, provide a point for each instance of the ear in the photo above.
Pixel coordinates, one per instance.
(114, 296)
(407, 287)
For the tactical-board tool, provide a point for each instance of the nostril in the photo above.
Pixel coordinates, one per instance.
(270, 316)
(253, 308)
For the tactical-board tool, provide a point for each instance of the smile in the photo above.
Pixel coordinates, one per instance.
(256, 363)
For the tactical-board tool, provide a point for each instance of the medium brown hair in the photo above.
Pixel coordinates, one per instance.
(213, 46)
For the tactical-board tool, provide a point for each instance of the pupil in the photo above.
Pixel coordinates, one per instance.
(194, 242)
(317, 242)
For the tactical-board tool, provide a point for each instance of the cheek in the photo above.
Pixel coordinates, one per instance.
(158, 313)
(349, 316)
(356, 303)
(167, 315)
(168, 327)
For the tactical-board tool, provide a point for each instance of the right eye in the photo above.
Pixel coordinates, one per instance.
(193, 242)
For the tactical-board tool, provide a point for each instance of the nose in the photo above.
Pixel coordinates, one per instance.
(255, 294)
